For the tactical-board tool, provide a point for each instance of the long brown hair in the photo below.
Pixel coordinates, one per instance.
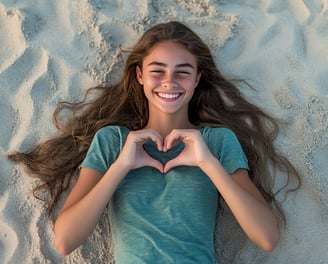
(216, 102)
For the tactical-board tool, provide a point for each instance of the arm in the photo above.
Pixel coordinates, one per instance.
(241, 195)
(91, 193)
(246, 203)
(84, 206)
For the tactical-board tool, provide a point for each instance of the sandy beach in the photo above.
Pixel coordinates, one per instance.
(52, 51)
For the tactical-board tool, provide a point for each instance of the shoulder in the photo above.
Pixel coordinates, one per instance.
(112, 134)
(220, 138)
(216, 133)
(225, 145)
(112, 131)
(108, 140)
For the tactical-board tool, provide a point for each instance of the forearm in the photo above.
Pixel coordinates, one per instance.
(75, 224)
(252, 212)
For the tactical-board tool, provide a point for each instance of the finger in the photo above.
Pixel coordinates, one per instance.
(159, 143)
(157, 165)
(171, 139)
(142, 136)
(155, 137)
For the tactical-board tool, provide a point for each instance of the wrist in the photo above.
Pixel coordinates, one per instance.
(207, 163)
(118, 169)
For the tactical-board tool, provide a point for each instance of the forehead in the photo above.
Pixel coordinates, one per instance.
(170, 52)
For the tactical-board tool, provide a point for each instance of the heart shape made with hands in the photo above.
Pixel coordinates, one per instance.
(177, 154)
(181, 147)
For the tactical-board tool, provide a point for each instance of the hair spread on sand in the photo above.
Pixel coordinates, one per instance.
(216, 102)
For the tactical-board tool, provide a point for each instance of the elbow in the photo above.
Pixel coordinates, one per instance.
(268, 238)
(270, 246)
(62, 243)
(62, 247)
(269, 243)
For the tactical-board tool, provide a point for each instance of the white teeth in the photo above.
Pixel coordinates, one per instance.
(167, 95)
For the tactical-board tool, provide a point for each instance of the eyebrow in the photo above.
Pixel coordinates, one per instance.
(181, 65)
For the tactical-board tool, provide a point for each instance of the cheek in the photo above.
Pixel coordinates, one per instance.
(188, 84)
(148, 88)
(152, 82)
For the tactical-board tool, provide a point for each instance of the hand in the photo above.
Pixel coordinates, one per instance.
(195, 153)
(134, 156)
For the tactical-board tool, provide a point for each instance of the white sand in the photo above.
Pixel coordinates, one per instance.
(54, 50)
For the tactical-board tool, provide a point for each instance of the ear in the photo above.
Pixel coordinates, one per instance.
(198, 78)
(139, 75)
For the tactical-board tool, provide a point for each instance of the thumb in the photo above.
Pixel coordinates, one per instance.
(156, 164)
(171, 164)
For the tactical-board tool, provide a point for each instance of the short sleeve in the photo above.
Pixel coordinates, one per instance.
(226, 147)
(104, 148)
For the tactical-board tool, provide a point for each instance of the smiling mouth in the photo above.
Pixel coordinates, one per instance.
(169, 95)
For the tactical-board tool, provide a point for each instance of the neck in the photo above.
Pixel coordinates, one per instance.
(165, 124)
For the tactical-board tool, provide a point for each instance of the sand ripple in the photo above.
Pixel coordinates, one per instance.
(10, 31)
(53, 50)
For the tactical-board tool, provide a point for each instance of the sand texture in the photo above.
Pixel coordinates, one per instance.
(54, 50)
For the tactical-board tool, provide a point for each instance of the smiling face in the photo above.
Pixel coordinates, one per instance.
(169, 77)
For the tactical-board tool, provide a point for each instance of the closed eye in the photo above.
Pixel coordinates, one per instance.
(157, 72)
(182, 74)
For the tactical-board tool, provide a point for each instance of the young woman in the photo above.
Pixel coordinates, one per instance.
(160, 147)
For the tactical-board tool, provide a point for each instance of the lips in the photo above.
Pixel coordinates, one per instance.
(169, 95)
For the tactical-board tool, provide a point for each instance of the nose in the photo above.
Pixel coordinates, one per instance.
(169, 81)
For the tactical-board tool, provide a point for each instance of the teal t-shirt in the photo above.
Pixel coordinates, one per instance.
(164, 218)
